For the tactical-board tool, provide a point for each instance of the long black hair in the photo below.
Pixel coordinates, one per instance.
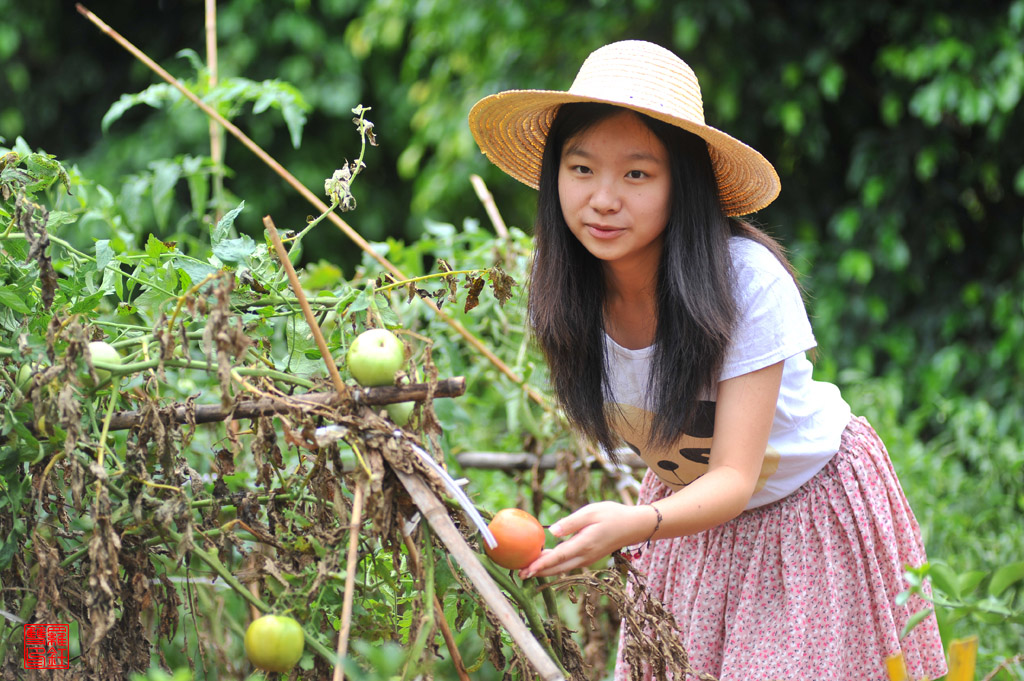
(695, 306)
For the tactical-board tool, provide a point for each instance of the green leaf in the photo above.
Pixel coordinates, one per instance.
(855, 265)
(944, 579)
(791, 114)
(225, 227)
(58, 218)
(156, 96)
(195, 270)
(155, 248)
(831, 81)
(235, 251)
(14, 300)
(914, 620)
(1005, 577)
(194, 59)
(969, 581)
(166, 174)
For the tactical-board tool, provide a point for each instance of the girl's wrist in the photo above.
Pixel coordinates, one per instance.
(649, 519)
(657, 524)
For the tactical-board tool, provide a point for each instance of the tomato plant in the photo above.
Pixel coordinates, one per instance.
(520, 538)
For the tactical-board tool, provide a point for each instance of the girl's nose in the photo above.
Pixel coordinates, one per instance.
(605, 199)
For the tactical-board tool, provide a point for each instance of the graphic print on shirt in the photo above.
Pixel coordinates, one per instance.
(687, 458)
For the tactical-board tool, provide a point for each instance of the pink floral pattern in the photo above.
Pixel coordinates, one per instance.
(805, 588)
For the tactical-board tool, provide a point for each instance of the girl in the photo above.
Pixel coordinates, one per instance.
(771, 522)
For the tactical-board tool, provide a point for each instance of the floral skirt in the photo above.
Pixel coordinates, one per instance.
(804, 588)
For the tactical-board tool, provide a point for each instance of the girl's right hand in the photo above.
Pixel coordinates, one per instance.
(596, 530)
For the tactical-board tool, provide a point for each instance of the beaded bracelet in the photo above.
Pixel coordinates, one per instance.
(657, 525)
(639, 550)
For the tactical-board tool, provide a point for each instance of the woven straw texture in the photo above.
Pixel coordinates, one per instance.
(511, 127)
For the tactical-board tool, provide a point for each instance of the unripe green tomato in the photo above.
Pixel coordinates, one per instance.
(399, 412)
(25, 373)
(374, 357)
(274, 643)
(101, 351)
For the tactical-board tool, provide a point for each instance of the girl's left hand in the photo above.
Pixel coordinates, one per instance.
(597, 530)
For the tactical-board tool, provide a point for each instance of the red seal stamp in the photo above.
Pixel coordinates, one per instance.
(47, 646)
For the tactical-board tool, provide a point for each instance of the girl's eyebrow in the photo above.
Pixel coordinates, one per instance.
(577, 150)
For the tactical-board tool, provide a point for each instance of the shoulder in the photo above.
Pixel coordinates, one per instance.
(753, 264)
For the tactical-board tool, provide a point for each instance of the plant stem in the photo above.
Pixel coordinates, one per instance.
(189, 364)
(529, 612)
(429, 596)
(435, 275)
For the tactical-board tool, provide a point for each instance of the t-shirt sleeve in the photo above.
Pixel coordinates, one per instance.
(772, 323)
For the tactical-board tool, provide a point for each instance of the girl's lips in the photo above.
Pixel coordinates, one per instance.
(604, 232)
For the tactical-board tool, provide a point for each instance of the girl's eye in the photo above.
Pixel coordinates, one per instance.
(636, 174)
(583, 170)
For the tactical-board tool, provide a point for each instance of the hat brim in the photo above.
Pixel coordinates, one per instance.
(511, 129)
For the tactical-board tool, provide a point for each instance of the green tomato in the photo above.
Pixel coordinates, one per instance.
(25, 373)
(399, 412)
(274, 643)
(374, 357)
(101, 351)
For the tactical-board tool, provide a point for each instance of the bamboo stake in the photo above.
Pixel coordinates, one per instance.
(443, 315)
(350, 573)
(486, 198)
(307, 311)
(437, 515)
(216, 132)
(213, 413)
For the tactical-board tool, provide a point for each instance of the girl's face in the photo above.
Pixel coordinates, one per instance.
(614, 184)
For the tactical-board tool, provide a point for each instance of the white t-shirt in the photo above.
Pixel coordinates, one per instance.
(772, 326)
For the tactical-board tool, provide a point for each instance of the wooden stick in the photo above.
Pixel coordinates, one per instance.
(437, 515)
(524, 461)
(350, 573)
(486, 198)
(213, 413)
(443, 315)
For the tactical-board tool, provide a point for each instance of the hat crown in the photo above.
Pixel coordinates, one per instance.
(640, 74)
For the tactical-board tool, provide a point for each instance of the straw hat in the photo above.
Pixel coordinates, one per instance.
(511, 127)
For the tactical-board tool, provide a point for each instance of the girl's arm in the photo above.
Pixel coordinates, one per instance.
(743, 420)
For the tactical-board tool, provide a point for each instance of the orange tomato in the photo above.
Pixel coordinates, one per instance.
(520, 538)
